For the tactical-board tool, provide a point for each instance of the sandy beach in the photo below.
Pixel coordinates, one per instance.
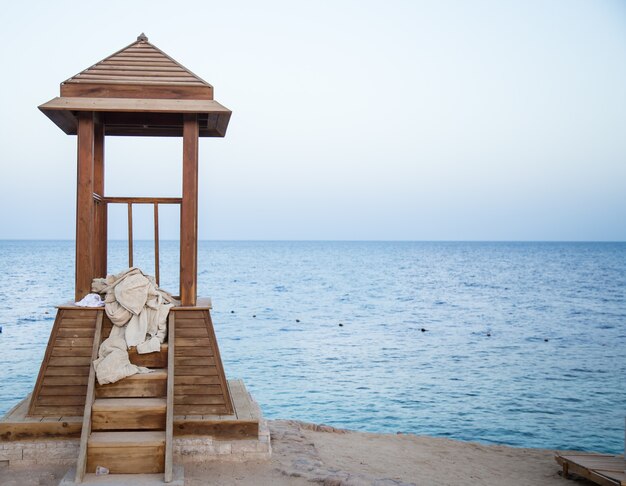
(307, 453)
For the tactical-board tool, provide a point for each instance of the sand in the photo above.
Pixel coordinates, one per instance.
(308, 453)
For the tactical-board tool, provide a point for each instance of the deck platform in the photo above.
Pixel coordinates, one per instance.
(603, 469)
(16, 425)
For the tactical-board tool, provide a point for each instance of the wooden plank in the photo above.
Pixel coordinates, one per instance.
(89, 398)
(188, 315)
(139, 385)
(128, 438)
(221, 429)
(137, 68)
(150, 360)
(133, 63)
(46, 360)
(193, 332)
(64, 401)
(169, 421)
(191, 351)
(202, 303)
(67, 371)
(194, 361)
(143, 200)
(75, 312)
(199, 409)
(79, 323)
(189, 213)
(241, 400)
(196, 380)
(137, 82)
(152, 105)
(59, 410)
(64, 390)
(218, 363)
(198, 399)
(69, 361)
(143, 77)
(197, 389)
(73, 342)
(84, 205)
(196, 371)
(195, 342)
(190, 323)
(129, 414)
(585, 465)
(66, 380)
(132, 459)
(65, 332)
(68, 427)
(129, 71)
(71, 351)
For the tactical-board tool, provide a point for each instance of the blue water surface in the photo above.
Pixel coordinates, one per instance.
(515, 343)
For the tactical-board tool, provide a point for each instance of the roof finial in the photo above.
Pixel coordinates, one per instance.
(142, 37)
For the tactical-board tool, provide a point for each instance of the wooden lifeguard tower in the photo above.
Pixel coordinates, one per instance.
(128, 426)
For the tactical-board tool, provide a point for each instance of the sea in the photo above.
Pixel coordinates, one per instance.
(521, 344)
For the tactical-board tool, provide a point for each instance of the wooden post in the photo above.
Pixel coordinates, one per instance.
(85, 205)
(189, 213)
(100, 230)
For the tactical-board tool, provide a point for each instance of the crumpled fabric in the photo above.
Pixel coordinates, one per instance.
(138, 310)
(90, 300)
(113, 363)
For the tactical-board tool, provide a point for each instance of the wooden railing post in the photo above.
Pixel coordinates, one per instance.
(189, 213)
(85, 205)
(156, 243)
(130, 235)
(100, 219)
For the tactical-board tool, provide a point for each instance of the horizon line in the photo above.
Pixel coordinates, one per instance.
(333, 241)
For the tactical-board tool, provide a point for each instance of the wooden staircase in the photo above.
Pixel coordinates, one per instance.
(128, 425)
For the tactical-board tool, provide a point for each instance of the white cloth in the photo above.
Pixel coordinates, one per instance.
(138, 309)
(113, 363)
(90, 300)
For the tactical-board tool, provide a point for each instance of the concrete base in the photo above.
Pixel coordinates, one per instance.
(238, 438)
(187, 449)
(178, 478)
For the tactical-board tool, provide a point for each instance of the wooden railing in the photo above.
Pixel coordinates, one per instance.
(81, 464)
(129, 201)
(169, 417)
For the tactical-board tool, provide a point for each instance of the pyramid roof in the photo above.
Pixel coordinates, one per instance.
(140, 91)
(139, 70)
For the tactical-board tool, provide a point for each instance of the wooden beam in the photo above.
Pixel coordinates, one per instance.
(111, 89)
(169, 419)
(189, 213)
(85, 205)
(130, 235)
(100, 232)
(156, 243)
(86, 427)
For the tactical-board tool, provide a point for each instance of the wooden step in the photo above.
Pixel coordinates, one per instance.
(136, 452)
(128, 414)
(150, 360)
(140, 385)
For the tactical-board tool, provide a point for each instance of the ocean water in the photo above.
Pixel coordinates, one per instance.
(514, 343)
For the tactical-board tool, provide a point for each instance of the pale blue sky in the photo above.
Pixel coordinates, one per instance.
(440, 120)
